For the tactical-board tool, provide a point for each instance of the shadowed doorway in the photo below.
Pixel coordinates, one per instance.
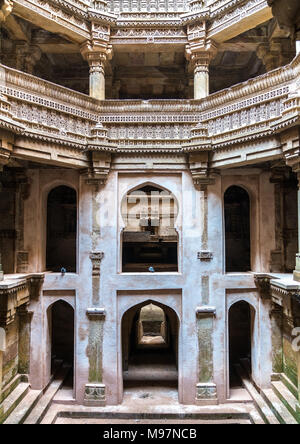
(150, 347)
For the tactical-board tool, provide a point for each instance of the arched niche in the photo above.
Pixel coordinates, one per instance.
(237, 230)
(61, 246)
(149, 238)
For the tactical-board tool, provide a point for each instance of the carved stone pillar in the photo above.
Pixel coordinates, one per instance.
(206, 390)
(97, 75)
(95, 389)
(25, 317)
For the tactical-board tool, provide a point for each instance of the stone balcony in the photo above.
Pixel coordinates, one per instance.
(37, 110)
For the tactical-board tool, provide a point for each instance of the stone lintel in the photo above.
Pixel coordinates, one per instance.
(206, 311)
(96, 313)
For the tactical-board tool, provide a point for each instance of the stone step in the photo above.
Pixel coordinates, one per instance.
(10, 387)
(21, 412)
(255, 417)
(288, 383)
(287, 398)
(261, 405)
(277, 407)
(41, 408)
(13, 400)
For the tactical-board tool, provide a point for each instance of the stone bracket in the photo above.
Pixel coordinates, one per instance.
(96, 258)
(206, 312)
(96, 313)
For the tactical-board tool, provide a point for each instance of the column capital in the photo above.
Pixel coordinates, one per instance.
(96, 53)
(201, 52)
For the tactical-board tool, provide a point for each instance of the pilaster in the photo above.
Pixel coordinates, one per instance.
(25, 318)
(206, 390)
(95, 389)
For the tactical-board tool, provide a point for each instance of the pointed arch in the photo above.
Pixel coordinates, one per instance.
(150, 238)
(237, 229)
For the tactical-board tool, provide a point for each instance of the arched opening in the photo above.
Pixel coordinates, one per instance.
(241, 327)
(237, 230)
(61, 335)
(150, 347)
(149, 240)
(61, 230)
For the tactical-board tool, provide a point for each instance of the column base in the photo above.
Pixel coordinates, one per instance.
(206, 394)
(94, 395)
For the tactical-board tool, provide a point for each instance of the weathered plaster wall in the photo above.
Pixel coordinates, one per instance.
(197, 283)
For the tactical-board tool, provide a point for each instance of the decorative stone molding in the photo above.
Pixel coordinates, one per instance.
(262, 282)
(96, 313)
(95, 395)
(206, 312)
(205, 256)
(13, 294)
(96, 258)
(206, 391)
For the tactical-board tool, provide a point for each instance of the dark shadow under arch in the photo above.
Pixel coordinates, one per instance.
(61, 229)
(241, 318)
(237, 230)
(150, 364)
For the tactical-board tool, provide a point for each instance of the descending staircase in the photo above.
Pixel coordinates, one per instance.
(22, 405)
(276, 405)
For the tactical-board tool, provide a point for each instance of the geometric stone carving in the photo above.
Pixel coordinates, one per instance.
(205, 256)
(96, 258)
(95, 395)
(262, 282)
(206, 391)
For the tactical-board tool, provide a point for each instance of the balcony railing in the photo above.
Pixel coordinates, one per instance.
(256, 108)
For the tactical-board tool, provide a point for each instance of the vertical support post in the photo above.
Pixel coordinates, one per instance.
(24, 340)
(201, 75)
(276, 316)
(97, 75)
(95, 389)
(206, 390)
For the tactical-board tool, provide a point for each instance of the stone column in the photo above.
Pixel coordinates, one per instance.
(97, 75)
(25, 317)
(206, 391)
(95, 389)
(201, 75)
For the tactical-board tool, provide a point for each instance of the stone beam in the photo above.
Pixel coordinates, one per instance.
(239, 20)
(46, 16)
